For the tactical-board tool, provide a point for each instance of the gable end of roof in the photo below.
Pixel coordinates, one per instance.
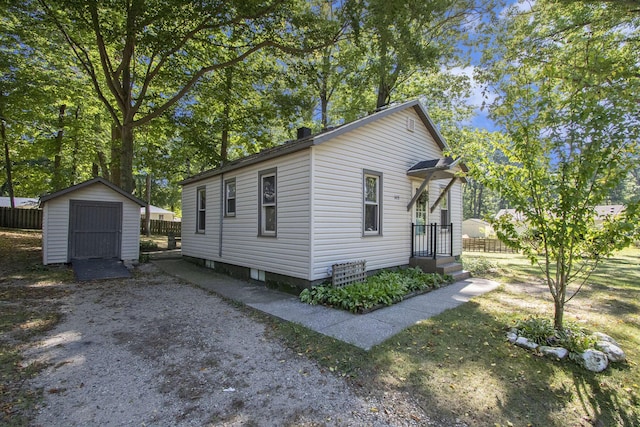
(97, 180)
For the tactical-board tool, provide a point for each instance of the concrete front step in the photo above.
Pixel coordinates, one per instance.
(449, 268)
(461, 275)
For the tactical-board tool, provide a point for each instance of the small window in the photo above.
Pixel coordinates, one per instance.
(161, 217)
(268, 203)
(230, 197)
(201, 209)
(445, 218)
(372, 201)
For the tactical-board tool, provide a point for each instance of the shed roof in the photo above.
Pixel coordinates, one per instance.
(308, 141)
(97, 180)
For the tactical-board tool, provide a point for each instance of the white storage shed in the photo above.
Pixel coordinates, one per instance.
(93, 219)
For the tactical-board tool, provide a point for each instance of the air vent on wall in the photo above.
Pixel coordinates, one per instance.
(411, 124)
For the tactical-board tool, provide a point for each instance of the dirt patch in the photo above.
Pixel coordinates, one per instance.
(154, 351)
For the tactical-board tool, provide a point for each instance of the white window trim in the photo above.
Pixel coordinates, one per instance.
(378, 175)
(261, 209)
(200, 228)
(227, 213)
(447, 198)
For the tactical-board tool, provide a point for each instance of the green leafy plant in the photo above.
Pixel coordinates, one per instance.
(541, 331)
(478, 266)
(148, 245)
(536, 329)
(384, 288)
(575, 339)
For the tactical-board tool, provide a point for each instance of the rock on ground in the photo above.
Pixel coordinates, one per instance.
(594, 360)
(154, 351)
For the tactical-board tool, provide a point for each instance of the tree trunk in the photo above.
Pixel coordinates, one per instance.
(57, 181)
(226, 124)
(74, 159)
(126, 159)
(324, 102)
(103, 166)
(7, 159)
(558, 314)
(383, 85)
(147, 209)
(116, 146)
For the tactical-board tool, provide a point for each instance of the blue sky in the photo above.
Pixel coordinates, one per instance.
(480, 119)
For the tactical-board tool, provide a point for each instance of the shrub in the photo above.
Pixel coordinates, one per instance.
(478, 266)
(575, 339)
(536, 329)
(384, 288)
(541, 331)
(148, 245)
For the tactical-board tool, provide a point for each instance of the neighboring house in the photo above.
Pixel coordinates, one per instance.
(602, 212)
(605, 211)
(93, 219)
(515, 215)
(20, 202)
(289, 213)
(158, 214)
(476, 228)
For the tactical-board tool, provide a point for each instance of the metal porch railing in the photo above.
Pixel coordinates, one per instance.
(431, 240)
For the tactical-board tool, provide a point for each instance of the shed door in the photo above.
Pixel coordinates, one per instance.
(95, 229)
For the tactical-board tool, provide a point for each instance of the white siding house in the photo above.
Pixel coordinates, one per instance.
(94, 219)
(289, 213)
(158, 214)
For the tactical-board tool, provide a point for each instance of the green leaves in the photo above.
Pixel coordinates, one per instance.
(384, 288)
(572, 128)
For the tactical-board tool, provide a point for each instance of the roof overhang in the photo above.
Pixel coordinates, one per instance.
(444, 168)
(97, 180)
(326, 135)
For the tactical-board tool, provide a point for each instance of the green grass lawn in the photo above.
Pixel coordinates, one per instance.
(28, 295)
(459, 365)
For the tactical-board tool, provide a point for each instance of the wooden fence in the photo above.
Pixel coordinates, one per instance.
(474, 244)
(32, 219)
(21, 218)
(160, 227)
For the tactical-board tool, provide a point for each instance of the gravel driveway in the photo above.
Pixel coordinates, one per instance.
(155, 351)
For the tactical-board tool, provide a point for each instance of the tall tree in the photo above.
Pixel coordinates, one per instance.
(568, 79)
(127, 47)
(404, 38)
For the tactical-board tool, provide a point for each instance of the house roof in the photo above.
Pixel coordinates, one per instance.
(475, 221)
(602, 211)
(97, 180)
(308, 141)
(20, 202)
(156, 209)
(608, 210)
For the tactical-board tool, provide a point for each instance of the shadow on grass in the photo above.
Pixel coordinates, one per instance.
(459, 366)
(606, 406)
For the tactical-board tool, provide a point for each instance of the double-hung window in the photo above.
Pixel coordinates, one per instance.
(372, 203)
(268, 199)
(201, 204)
(230, 197)
(445, 218)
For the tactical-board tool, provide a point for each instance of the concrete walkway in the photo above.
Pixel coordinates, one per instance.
(361, 330)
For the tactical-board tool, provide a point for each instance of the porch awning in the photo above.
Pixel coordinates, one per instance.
(427, 170)
(434, 169)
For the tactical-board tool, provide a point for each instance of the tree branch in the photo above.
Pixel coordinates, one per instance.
(85, 61)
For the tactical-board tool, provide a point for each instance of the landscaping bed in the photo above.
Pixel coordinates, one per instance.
(461, 365)
(380, 290)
